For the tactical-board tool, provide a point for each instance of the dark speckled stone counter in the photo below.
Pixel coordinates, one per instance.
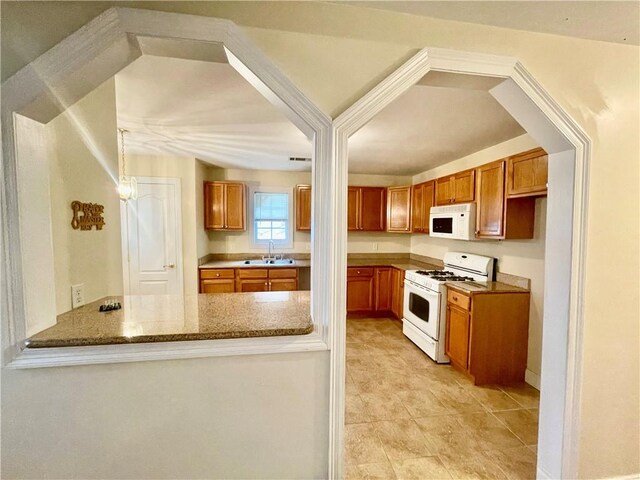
(169, 318)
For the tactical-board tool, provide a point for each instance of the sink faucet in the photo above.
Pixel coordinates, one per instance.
(271, 245)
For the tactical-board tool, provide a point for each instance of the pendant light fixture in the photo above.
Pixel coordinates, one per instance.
(127, 186)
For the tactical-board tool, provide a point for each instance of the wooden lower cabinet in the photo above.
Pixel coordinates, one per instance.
(383, 289)
(375, 291)
(229, 280)
(457, 338)
(397, 292)
(487, 335)
(217, 286)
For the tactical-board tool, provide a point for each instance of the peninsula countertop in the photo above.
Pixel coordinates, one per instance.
(173, 318)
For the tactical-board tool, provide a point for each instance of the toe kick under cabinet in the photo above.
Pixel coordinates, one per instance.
(487, 335)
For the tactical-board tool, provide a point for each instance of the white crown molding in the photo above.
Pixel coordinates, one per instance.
(363, 110)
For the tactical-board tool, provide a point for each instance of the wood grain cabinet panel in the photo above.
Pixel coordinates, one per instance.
(373, 209)
(366, 209)
(527, 173)
(224, 206)
(458, 188)
(491, 199)
(399, 209)
(487, 335)
(359, 294)
(397, 294)
(303, 208)
(422, 199)
(383, 289)
(217, 286)
(353, 209)
(457, 336)
(252, 285)
(283, 284)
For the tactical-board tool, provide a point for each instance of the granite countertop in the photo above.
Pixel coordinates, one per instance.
(472, 288)
(172, 318)
(402, 264)
(241, 264)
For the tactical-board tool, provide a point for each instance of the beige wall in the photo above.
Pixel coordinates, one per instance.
(84, 167)
(183, 168)
(336, 53)
(524, 258)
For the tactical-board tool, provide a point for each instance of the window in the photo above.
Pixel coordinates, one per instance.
(272, 212)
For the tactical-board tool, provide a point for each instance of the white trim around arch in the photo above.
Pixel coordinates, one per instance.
(569, 149)
(77, 65)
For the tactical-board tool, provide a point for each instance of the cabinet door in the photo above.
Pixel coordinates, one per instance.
(417, 203)
(353, 208)
(303, 207)
(283, 284)
(457, 336)
(359, 294)
(217, 286)
(372, 208)
(252, 285)
(213, 205)
(399, 209)
(397, 295)
(490, 210)
(234, 206)
(465, 186)
(527, 174)
(383, 287)
(444, 190)
(428, 197)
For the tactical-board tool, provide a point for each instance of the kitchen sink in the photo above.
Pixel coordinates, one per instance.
(286, 261)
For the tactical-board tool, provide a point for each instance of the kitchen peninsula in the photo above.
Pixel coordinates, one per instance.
(169, 318)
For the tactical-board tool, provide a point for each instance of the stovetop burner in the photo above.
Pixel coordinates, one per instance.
(444, 275)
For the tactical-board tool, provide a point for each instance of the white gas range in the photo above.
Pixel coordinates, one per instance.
(425, 299)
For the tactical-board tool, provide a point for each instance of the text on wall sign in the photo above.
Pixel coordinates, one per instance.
(87, 215)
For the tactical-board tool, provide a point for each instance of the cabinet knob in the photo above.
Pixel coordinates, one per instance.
(217, 274)
(266, 283)
(455, 298)
(358, 272)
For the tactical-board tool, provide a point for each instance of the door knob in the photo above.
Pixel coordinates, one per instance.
(171, 265)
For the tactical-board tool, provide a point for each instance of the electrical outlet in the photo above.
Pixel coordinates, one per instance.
(77, 295)
(374, 246)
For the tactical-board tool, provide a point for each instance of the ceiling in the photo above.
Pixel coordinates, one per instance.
(608, 21)
(205, 109)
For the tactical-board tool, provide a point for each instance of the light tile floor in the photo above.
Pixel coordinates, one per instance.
(410, 418)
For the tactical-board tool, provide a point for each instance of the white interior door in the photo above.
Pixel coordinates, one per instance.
(152, 238)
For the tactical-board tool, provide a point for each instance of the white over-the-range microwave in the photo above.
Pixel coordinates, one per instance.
(457, 222)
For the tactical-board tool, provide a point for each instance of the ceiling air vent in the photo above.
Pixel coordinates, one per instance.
(299, 159)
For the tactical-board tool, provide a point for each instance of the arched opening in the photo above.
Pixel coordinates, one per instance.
(517, 92)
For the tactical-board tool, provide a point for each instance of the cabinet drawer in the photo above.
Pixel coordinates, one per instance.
(458, 299)
(283, 273)
(216, 273)
(217, 286)
(360, 272)
(252, 273)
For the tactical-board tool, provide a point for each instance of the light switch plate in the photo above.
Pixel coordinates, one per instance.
(77, 295)
(375, 247)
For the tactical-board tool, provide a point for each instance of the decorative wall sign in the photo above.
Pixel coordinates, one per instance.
(86, 215)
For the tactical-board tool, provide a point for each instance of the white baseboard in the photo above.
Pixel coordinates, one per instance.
(631, 476)
(532, 379)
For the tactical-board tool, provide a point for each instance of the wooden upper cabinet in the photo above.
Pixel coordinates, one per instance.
(527, 173)
(303, 208)
(399, 209)
(490, 195)
(366, 208)
(421, 202)
(458, 188)
(353, 208)
(383, 289)
(224, 206)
